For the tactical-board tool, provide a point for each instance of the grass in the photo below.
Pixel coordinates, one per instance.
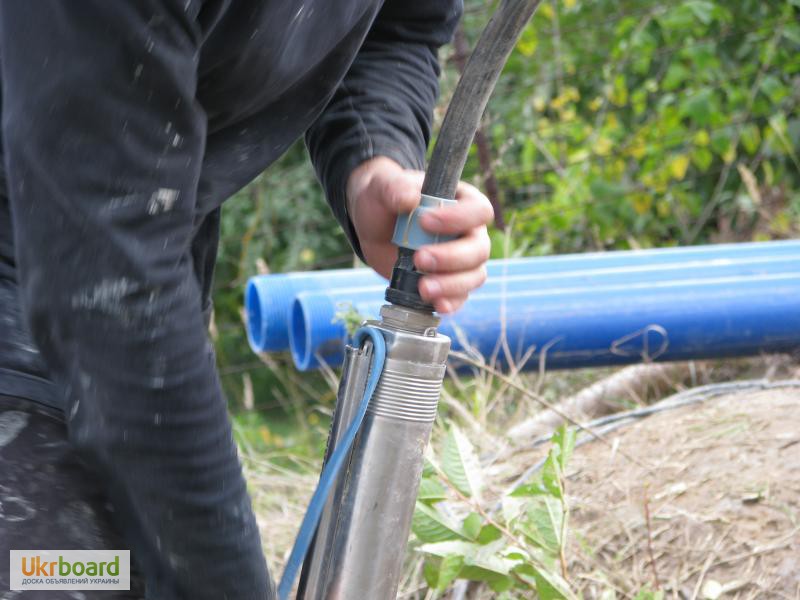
(281, 450)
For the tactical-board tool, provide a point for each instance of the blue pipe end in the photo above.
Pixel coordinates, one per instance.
(267, 300)
(315, 336)
(256, 324)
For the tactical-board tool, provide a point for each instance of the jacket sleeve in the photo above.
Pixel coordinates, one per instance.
(103, 144)
(384, 105)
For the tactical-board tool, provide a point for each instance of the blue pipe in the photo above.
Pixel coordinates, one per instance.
(622, 324)
(597, 320)
(268, 298)
(323, 326)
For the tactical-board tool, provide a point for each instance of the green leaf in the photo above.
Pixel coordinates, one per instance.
(618, 94)
(528, 42)
(646, 594)
(564, 440)
(530, 489)
(472, 525)
(429, 525)
(543, 526)
(702, 158)
(498, 583)
(551, 474)
(431, 490)
(721, 142)
(677, 18)
(772, 87)
(702, 9)
(495, 581)
(449, 570)
(489, 533)
(792, 31)
(676, 75)
(551, 586)
(751, 138)
(699, 106)
(703, 57)
(460, 463)
(677, 166)
(430, 571)
(486, 557)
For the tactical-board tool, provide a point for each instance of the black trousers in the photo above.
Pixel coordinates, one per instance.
(49, 500)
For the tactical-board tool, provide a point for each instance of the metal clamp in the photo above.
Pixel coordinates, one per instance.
(409, 234)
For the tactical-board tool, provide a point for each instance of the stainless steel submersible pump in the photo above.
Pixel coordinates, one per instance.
(361, 539)
(360, 542)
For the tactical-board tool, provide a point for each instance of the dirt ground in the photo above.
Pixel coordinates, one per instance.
(716, 514)
(720, 480)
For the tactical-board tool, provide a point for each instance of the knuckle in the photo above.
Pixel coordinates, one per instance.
(395, 193)
(387, 192)
(488, 211)
(463, 287)
(485, 252)
(483, 274)
(436, 252)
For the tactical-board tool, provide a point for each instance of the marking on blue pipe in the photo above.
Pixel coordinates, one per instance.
(638, 343)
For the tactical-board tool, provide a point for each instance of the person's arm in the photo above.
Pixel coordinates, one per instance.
(384, 106)
(103, 144)
(370, 142)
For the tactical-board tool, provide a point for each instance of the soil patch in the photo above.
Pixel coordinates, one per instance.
(723, 497)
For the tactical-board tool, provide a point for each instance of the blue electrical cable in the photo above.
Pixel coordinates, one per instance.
(331, 470)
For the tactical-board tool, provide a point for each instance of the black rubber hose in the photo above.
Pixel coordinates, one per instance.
(458, 129)
(472, 94)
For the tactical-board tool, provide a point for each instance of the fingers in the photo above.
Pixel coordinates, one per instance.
(473, 210)
(449, 305)
(465, 253)
(451, 285)
(380, 189)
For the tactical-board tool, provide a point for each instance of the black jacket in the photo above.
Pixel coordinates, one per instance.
(125, 125)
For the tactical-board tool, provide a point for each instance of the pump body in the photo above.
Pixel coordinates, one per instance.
(361, 539)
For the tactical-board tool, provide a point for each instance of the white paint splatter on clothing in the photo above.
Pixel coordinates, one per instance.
(11, 423)
(162, 200)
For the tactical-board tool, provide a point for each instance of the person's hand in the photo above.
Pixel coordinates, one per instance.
(380, 189)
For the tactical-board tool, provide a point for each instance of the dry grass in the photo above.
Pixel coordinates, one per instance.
(280, 497)
(723, 501)
(701, 514)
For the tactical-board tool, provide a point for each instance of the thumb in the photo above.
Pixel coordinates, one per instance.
(399, 192)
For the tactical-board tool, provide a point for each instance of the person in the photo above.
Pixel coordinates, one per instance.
(125, 125)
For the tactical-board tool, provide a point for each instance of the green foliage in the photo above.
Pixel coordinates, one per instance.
(626, 132)
(349, 316)
(521, 549)
(460, 464)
